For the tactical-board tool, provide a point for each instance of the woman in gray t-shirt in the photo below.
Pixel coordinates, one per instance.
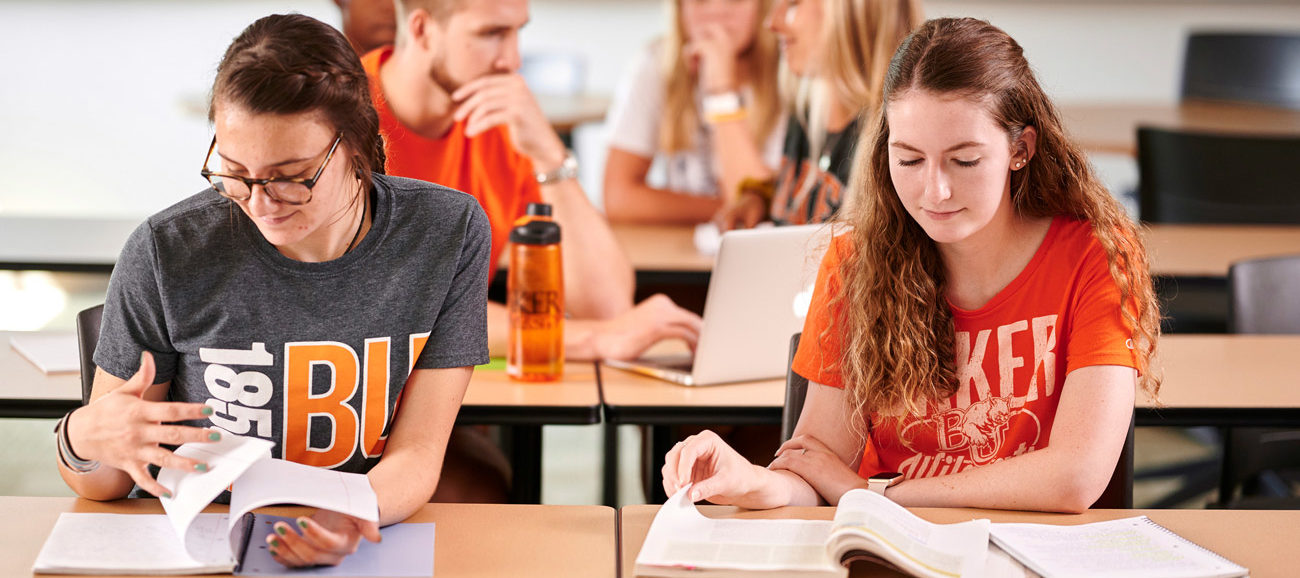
(297, 300)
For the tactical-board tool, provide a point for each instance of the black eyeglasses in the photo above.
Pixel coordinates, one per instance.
(282, 190)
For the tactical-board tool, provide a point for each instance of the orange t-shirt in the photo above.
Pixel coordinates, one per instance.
(486, 166)
(1062, 312)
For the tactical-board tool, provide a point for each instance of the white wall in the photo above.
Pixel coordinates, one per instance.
(102, 103)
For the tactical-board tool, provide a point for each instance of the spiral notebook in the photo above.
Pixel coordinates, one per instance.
(1129, 547)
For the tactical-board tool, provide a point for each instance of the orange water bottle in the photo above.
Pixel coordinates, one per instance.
(535, 287)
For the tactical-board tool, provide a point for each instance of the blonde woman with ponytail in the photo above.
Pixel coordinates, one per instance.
(836, 53)
(703, 101)
(976, 338)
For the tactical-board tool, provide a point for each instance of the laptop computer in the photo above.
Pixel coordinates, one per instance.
(758, 297)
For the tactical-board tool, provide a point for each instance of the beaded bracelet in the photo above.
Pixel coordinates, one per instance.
(67, 457)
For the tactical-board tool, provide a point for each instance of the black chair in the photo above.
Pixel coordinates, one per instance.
(87, 338)
(1254, 68)
(1190, 177)
(1118, 493)
(1262, 464)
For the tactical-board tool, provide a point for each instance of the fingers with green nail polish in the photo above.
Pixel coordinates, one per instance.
(214, 436)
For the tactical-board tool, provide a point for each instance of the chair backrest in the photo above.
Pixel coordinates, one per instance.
(796, 389)
(87, 338)
(1118, 493)
(1263, 298)
(1256, 68)
(1264, 295)
(1189, 177)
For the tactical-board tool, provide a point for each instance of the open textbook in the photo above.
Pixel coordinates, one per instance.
(186, 541)
(682, 542)
(870, 527)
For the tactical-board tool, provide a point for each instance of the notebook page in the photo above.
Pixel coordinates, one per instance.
(1130, 547)
(125, 544)
(681, 536)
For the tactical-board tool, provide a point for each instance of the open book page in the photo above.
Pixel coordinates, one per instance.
(227, 460)
(129, 544)
(681, 537)
(1130, 547)
(265, 484)
(914, 545)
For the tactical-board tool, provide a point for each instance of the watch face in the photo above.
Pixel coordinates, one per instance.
(887, 477)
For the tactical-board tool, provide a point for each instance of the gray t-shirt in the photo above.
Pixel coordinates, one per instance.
(312, 356)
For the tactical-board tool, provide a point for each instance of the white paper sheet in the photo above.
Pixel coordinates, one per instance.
(49, 352)
(1130, 547)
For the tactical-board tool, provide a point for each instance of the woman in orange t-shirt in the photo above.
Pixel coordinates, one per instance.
(990, 298)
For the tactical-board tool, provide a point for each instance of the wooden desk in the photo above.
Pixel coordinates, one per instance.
(470, 540)
(633, 399)
(27, 392)
(1215, 380)
(1226, 380)
(567, 112)
(1175, 250)
(1112, 128)
(491, 399)
(1208, 250)
(1262, 541)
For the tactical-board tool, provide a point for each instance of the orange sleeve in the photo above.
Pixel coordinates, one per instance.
(1098, 334)
(821, 345)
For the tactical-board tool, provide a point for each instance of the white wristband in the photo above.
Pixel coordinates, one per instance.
(721, 104)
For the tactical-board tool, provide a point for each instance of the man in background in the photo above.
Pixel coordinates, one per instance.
(454, 111)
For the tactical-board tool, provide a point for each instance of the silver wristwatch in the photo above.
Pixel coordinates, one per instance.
(879, 482)
(568, 169)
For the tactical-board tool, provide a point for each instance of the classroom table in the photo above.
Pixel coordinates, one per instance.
(1263, 541)
(27, 392)
(471, 540)
(565, 112)
(1175, 250)
(1190, 264)
(1112, 127)
(491, 399)
(1210, 380)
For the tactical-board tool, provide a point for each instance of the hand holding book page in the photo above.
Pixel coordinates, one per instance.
(204, 542)
(682, 542)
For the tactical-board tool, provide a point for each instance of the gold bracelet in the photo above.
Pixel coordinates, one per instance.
(764, 188)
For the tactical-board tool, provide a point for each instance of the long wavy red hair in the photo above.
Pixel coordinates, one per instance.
(898, 329)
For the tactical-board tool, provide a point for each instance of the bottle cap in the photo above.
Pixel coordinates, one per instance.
(536, 233)
(538, 210)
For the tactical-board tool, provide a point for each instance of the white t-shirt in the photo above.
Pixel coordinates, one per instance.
(633, 124)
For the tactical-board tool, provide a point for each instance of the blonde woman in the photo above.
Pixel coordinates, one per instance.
(702, 100)
(976, 339)
(838, 52)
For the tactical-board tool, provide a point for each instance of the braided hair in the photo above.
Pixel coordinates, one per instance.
(290, 64)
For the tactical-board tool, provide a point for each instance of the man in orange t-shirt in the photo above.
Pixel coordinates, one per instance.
(454, 111)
